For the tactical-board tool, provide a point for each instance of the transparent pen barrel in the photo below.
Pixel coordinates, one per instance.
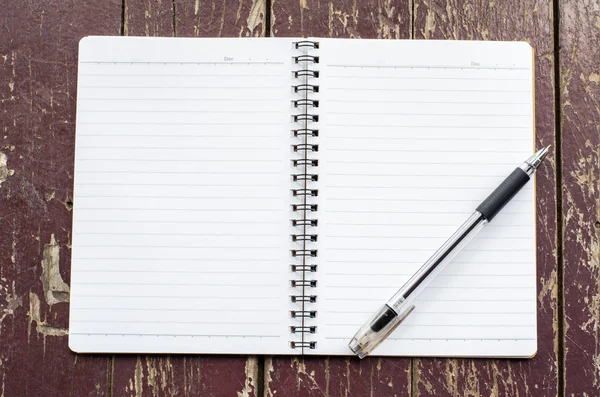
(438, 261)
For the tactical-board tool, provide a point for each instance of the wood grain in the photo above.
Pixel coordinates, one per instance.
(368, 19)
(193, 375)
(226, 18)
(149, 18)
(38, 70)
(339, 376)
(580, 115)
(531, 21)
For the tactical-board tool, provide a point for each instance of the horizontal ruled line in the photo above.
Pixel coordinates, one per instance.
(428, 287)
(445, 325)
(178, 99)
(427, 313)
(179, 75)
(172, 322)
(413, 262)
(423, 90)
(180, 160)
(163, 184)
(117, 233)
(479, 127)
(175, 335)
(435, 300)
(179, 111)
(171, 271)
(179, 209)
(362, 101)
(182, 136)
(175, 148)
(178, 259)
(428, 250)
(428, 151)
(191, 222)
(351, 274)
(183, 197)
(176, 63)
(428, 78)
(446, 339)
(412, 200)
(182, 87)
(416, 175)
(416, 224)
(178, 296)
(418, 212)
(427, 114)
(427, 67)
(174, 123)
(172, 309)
(179, 284)
(179, 172)
(397, 138)
(176, 246)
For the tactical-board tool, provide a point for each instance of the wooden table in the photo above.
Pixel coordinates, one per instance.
(38, 66)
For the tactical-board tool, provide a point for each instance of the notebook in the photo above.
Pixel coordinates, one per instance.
(266, 196)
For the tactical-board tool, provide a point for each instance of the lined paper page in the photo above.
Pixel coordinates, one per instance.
(414, 135)
(181, 208)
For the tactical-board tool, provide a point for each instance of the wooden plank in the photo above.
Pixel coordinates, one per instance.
(580, 115)
(38, 70)
(531, 21)
(368, 19)
(166, 375)
(228, 18)
(149, 18)
(339, 376)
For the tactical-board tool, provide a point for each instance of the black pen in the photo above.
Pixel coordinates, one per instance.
(391, 315)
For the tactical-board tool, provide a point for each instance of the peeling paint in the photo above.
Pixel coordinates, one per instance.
(13, 301)
(55, 289)
(251, 371)
(256, 17)
(5, 172)
(139, 376)
(42, 327)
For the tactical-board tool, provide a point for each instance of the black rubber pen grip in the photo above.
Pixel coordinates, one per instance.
(503, 193)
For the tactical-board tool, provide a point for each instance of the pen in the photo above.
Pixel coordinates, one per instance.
(391, 315)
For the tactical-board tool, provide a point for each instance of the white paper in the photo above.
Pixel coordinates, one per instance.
(181, 207)
(413, 136)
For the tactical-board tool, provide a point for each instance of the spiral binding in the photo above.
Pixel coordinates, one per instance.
(304, 131)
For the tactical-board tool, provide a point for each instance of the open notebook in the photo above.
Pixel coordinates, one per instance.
(266, 196)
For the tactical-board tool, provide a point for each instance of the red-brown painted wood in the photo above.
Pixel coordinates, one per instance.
(189, 375)
(369, 19)
(339, 376)
(228, 18)
(580, 106)
(38, 75)
(508, 20)
(149, 18)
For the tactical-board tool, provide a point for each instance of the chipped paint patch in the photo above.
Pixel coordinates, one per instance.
(41, 326)
(269, 376)
(55, 289)
(5, 172)
(256, 17)
(12, 302)
(139, 376)
(251, 371)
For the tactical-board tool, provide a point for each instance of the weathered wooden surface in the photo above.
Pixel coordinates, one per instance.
(38, 75)
(152, 375)
(580, 115)
(228, 18)
(528, 20)
(38, 56)
(367, 19)
(339, 376)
